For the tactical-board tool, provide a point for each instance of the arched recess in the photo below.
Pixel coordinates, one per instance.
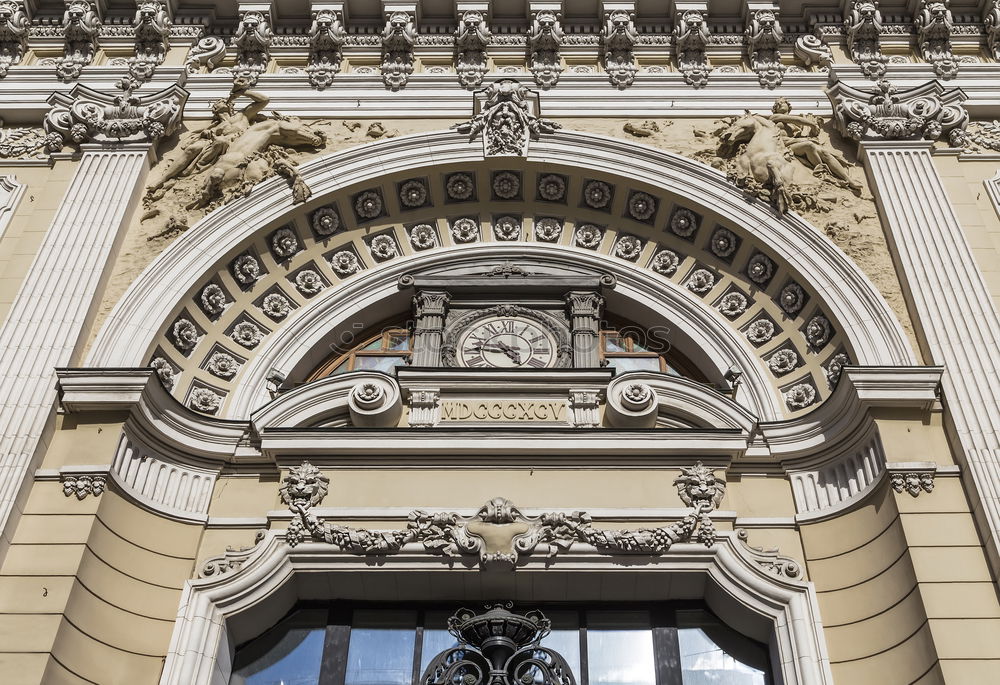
(230, 606)
(865, 330)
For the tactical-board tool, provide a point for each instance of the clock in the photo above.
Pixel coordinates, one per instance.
(507, 342)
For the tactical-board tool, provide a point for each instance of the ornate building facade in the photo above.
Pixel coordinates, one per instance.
(609, 343)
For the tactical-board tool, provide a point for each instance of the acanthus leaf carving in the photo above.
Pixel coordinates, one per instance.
(763, 40)
(326, 41)
(863, 26)
(253, 47)
(619, 40)
(14, 25)
(471, 40)
(86, 115)
(398, 38)
(544, 40)
(811, 49)
(152, 39)
(506, 121)
(769, 559)
(500, 533)
(934, 24)
(80, 28)
(232, 560)
(928, 111)
(692, 36)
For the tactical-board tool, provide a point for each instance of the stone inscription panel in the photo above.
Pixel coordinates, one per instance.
(504, 410)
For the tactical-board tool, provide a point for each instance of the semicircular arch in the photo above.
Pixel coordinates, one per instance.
(685, 245)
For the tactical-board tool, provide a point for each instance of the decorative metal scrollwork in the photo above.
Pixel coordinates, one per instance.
(498, 647)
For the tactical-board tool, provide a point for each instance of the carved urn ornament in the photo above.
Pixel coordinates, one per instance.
(498, 647)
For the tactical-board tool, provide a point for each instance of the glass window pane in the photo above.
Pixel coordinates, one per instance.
(291, 654)
(620, 648)
(714, 654)
(623, 364)
(374, 346)
(378, 363)
(399, 342)
(381, 648)
(342, 367)
(565, 638)
(436, 636)
(614, 343)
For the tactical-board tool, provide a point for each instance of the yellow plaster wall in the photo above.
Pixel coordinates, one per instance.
(963, 180)
(45, 188)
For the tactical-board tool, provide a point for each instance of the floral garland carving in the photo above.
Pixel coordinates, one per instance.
(500, 533)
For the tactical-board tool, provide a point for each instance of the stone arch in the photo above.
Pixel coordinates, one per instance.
(798, 259)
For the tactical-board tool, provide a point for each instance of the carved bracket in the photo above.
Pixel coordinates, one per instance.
(80, 27)
(499, 533)
(14, 26)
(763, 39)
(619, 39)
(991, 25)
(769, 559)
(929, 111)
(207, 52)
(544, 41)
(86, 115)
(934, 24)
(471, 39)
(152, 39)
(691, 37)
(326, 40)
(863, 26)
(232, 560)
(506, 120)
(253, 44)
(398, 39)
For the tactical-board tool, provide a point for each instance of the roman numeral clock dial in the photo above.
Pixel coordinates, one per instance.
(507, 342)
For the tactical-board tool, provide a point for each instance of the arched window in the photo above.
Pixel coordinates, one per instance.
(664, 643)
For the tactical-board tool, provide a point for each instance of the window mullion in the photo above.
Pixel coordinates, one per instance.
(338, 638)
(666, 648)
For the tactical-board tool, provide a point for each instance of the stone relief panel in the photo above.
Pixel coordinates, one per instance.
(499, 533)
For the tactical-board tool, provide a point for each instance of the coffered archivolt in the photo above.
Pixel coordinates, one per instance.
(780, 300)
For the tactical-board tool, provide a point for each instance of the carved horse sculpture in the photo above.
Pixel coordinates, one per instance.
(769, 146)
(244, 163)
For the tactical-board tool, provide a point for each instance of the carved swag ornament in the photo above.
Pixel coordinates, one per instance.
(499, 533)
(505, 120)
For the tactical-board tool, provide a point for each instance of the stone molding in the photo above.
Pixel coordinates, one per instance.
(992, 189)
(48, 317)
(222, 610)
(922, 228)
(853, 300)
(11, 192)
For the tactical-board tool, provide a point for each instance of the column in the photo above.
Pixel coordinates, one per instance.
(585, 324)
(49, 320)
(958, 324)
(429, 308)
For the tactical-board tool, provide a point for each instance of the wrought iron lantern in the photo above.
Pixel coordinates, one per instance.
(498, 647)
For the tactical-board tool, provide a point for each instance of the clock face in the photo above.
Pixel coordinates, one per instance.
(507, 342)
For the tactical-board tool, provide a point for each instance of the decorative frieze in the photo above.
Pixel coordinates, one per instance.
(471, 40)
(80, 27)
(326, 41)
(14, 26)
(934, 24)
(499, 533)
(619, 38)
(398, 38)
(544, 40)
(152, 39)
(763, 41)
(863, 27)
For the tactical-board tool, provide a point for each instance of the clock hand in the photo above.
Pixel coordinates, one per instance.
(514, 355)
